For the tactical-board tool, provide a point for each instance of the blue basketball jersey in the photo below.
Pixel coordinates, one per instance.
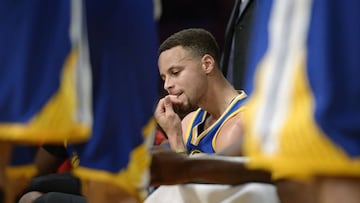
(203, 141)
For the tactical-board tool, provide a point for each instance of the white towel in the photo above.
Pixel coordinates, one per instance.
(213, 193)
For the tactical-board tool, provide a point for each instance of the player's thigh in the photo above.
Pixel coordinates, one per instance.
(338, 189)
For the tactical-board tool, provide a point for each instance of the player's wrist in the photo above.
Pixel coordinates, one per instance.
(181, 151)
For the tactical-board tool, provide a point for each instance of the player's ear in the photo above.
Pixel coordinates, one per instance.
(208, 63)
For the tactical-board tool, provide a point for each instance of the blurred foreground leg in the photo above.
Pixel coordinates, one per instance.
(96, 191)
(339, 189)
(5, 152)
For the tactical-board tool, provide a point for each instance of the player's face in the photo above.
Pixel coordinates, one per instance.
(183, 77)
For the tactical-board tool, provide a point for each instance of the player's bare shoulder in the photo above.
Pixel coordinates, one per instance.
(230, 132)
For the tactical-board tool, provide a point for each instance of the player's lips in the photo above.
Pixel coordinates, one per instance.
(176, 98)
(177, 95)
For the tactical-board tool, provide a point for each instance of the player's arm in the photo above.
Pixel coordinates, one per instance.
(232, 132)
(49, 158)
(202, 169)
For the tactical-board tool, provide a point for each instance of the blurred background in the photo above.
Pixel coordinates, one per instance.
(175, 15)
(211, 15)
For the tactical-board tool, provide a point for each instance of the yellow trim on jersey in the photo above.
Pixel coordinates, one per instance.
(189, 127)
(197, 138)
(149, 128)
(56, 121)
(135, 175)
(312, 143)
(304, 150)
(24, 171)
(126, 179)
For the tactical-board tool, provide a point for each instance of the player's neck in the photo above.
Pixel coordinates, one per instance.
(220, 100)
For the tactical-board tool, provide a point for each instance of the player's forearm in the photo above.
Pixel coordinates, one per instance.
(224, 172)
(175, 140)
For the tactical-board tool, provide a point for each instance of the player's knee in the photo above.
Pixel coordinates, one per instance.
(58, 197)
(30, 197)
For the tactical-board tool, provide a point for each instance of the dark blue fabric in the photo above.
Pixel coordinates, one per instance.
(334, 69)
(123, 50)
(34, 44)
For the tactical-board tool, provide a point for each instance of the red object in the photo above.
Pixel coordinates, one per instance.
(65, 166)
(159, 137)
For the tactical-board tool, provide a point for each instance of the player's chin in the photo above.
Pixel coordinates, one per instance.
(183, 109)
